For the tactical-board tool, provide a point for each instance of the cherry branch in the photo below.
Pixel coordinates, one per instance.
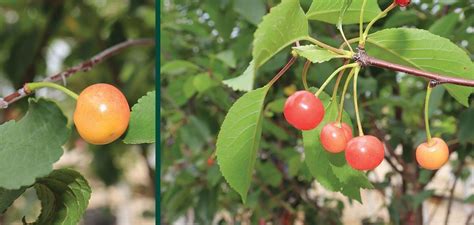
(366, 60)
(82, 67)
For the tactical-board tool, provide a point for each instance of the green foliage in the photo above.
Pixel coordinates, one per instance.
(239, 138)
(422, 50)
(315, 54)
(328, 11)
(64, 196)
(33, 144)
(142, 121)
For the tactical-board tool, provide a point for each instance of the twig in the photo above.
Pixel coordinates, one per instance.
(82, 67)
(366, 60)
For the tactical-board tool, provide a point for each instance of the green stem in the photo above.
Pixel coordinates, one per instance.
(356, 105)
(344, 38)
(361, 22)
(427, 122)
(305, 74)
(30, 87)
(333, 75)
(344, 90)
(380, 15)
(328, 47)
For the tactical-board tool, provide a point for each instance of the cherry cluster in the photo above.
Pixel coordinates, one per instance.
(304, 111)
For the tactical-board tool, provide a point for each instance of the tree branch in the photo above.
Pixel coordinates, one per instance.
(365, 60)
(82, 67)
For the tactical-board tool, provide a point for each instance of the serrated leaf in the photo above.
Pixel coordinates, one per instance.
(285, 24)
(423, 50)
(239, 138)
(332, 170)
(30, 146)
(64, 196)
(243, 82)
(329, 11)
(315, 54)
(141, 128)
(7, 197)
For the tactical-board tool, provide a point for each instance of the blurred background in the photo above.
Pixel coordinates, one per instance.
(205, 42)
(41, 38)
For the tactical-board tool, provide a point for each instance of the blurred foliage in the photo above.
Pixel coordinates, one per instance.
(41, 38)
(205, 42)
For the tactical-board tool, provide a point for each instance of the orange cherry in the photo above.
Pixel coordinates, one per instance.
(434, 155)
(102, 114)
(334, 136)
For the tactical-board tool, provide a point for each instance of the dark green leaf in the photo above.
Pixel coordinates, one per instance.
(142, 121)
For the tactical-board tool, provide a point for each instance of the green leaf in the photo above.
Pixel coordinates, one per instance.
(202, 82)
(332, 170)
(142, 121)
(466, 123)
(285, 24)
(329, 11)
(423, 50)
(64, 196)
(250, 10)
(7, 197)
(228, 58)
(30, 146)
(243, 82)
(445, 25)
(177, 67)
(239, 138)
(315, 54)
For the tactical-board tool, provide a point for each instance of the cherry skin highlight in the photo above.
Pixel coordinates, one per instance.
(364, 152)
(402, 3)
(102, 114)
(303, 110)
(334, 136)
(434, 155)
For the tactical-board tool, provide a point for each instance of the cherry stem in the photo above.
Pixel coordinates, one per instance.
(338, 81)
(380, 15)
(305, 73)
(356, 105)
(328, 47)
(333, 75)
(427, 122)
(343, 94)
(30, 87)
(282, 71)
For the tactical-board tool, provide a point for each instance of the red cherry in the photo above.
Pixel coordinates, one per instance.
(434, 155)
(402, 3)
(334, 136)
(303, 110)
(364, 152)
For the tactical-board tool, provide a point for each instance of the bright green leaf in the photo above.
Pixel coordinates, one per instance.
(239, 138)
(30, 146)
(142, 121)
(329, 11)
(423, 50)
(64, 196)
(285, 24)
(315, 54)
(243, 82)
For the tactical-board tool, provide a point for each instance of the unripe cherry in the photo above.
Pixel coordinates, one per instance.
(335, 136)
(364, 152)
(434, 155)
(303, 110)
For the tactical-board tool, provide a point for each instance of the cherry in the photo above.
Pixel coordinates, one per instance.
(334, 136)
(434, 155)
(303, 110)
(364, 152)
(102, 114)
(402, 3)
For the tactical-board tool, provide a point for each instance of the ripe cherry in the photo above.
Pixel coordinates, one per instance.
(364, 152)
(303, 110)
(434, 155)
(102, 114)
(402, 3)
(334, 136)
